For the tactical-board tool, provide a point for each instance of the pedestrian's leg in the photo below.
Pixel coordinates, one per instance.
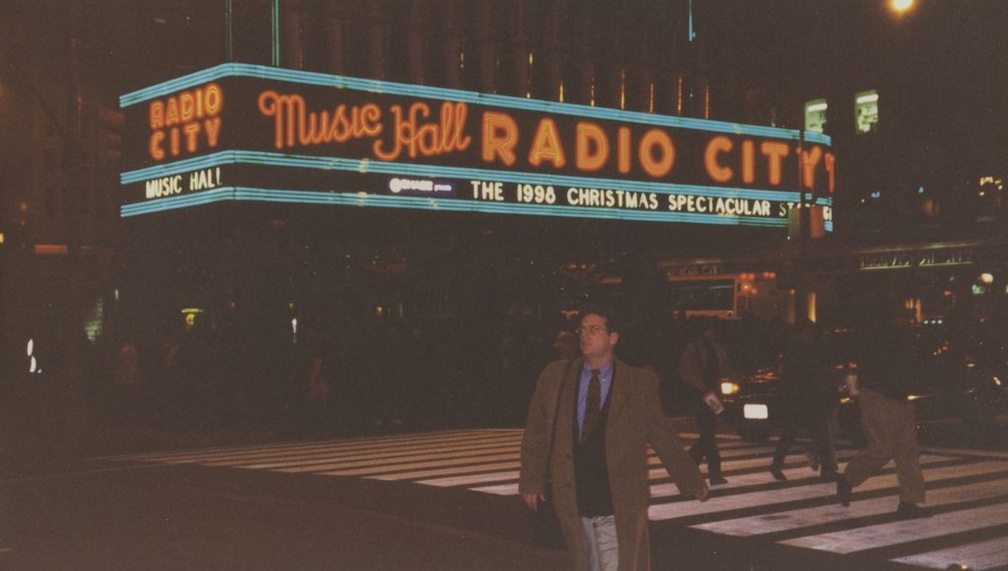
(824, 445)
(697, 450)
(907, 457)
(871, 459)
(606, 544)
(784, 443)
(707, 424)
(591, 543)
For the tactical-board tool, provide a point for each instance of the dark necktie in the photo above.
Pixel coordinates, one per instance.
(593, 407)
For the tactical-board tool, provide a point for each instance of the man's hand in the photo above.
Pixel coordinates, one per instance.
(703, 494)
(532, 500)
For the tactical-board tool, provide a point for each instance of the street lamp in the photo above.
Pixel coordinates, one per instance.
(900, 7)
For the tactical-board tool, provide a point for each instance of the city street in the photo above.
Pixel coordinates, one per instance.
(282, 282)
(447, 500)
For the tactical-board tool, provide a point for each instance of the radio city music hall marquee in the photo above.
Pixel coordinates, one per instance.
(240, 132)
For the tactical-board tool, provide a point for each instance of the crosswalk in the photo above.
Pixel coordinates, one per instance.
(967, 491)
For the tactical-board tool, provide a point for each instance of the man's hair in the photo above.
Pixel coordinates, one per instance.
(604, 311)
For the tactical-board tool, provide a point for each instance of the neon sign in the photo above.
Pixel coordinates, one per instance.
(242, 132)
(190, 118)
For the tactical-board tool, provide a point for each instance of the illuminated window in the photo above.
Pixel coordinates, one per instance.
(866, 111)
(815, 115)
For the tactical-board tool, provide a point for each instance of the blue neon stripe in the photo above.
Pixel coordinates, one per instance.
(170, 203)
(186, 165)
(394, 88)
(447, 205)
(428, 171)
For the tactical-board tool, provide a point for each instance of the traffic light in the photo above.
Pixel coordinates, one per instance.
(109, 136)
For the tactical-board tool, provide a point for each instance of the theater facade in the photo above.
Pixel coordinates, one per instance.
(253, 196)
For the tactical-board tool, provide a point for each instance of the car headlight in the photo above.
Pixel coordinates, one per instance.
(755, 412)
(729, 388)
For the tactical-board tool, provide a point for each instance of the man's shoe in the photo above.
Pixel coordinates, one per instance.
(907, 510)
(717, 480)
(827, 477)
(813, 460)
(777, 474)
(843, 491)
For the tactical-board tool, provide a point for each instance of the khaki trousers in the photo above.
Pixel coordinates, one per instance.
(891, 427)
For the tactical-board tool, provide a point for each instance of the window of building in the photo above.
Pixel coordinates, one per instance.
(815, 115)
(866, 112)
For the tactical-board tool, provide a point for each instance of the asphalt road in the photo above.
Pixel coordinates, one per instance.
(407, 502)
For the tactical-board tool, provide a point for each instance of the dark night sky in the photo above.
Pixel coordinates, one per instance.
(946, 61)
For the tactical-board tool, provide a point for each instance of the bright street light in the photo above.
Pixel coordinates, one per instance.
(900, 6)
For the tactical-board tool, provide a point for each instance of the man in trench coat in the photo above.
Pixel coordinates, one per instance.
(557, 457)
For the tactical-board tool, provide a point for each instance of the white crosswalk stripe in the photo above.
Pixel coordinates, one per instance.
(807, 517)
(874, 536)
(980, 555)
(967, 489)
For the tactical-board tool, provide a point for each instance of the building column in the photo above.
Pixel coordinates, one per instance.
(292, 19)
(487, 44)
(415, 54)
(377, 38)
(335, 23)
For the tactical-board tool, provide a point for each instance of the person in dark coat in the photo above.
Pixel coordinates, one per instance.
(704, 363)
(807, 398)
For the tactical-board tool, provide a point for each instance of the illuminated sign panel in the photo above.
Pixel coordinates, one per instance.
(240, 132)
(932, 258)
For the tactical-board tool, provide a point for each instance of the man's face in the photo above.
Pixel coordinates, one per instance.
(596, 340)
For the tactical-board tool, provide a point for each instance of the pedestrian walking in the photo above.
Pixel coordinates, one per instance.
(585, 444)
(807, 397)
(888, 364)
(704, 363)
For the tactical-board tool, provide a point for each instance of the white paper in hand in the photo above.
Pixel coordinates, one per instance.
(714, 403)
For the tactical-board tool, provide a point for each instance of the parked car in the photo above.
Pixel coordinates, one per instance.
(958, 383)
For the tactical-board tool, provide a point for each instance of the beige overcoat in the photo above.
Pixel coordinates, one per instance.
(635, 420)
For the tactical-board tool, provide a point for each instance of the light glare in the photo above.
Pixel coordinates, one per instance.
(901, 6)
(755, 412)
